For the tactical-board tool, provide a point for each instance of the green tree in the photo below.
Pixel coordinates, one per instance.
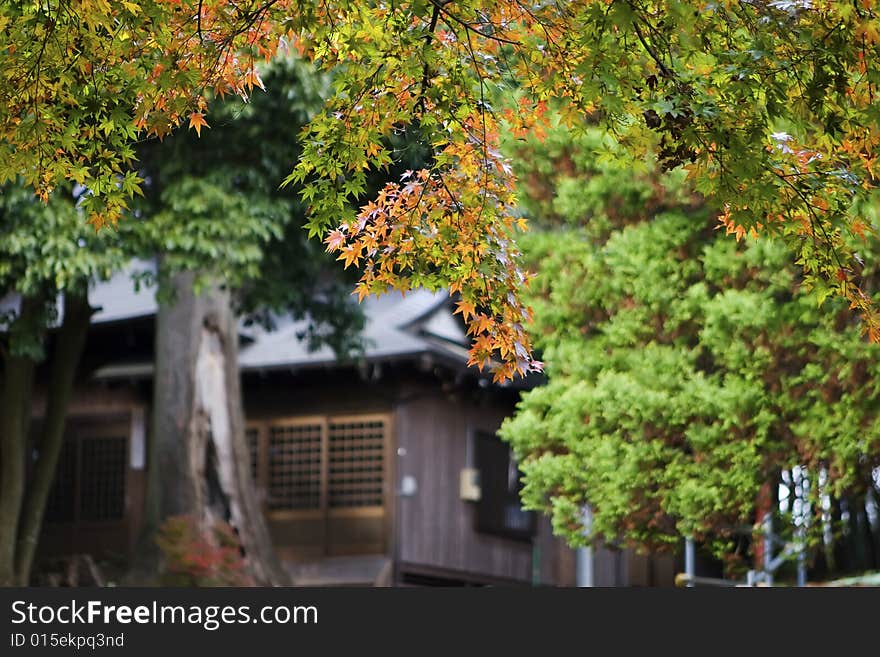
(46, 251)
(229, 242)
(685, 370)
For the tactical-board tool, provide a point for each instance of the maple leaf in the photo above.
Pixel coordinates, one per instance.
(466, 308)
(335, 240)
(197, 121)
(351, 255)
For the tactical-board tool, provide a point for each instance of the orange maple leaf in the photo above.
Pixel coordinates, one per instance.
(197, 120)
(350, 254)
(466, 308)
(335, 240)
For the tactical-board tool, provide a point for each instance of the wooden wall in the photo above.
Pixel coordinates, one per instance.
(113, 411)
(435, 528)
(432, 532)
(433, 421)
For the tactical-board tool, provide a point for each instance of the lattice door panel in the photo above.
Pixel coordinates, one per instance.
(295, 466)
(102, 484)
(252, 435)
(325, 479)
(90, 482)
(356, 463)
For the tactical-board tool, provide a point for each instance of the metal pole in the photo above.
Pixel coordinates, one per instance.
(690, 567)
(584, 555)
(802, 569)
(768, 549)
(536, 565)
(802, 558)
(584, 567)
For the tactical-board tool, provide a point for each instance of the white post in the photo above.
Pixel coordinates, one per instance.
(584, 555)
(802, 556)
(768, 548)
(690, 566)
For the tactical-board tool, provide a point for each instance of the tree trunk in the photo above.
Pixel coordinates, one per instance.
(69, 346)
(15, 414)
(199, 459)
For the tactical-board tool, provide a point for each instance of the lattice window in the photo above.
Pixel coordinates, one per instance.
(252, 434)
(356, 463)
(320, 462)
(102, 480)
(90, 481)
(295, 466)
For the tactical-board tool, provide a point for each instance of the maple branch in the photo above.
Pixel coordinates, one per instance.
(434, 16)
(37, 69)
(252, 16)
(452, 198)
(441, 5)
(664, 71)
(249, 19)
(425, 70)
(815, 219)
(482, 117)
(199, 22)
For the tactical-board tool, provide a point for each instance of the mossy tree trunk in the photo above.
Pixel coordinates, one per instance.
(199, 458)
(18, 373)
(23, 501)
(68, 350)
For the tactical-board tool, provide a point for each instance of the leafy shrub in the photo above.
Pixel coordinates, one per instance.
(195, 556)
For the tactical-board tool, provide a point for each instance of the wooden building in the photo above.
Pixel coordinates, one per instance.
(382, 471)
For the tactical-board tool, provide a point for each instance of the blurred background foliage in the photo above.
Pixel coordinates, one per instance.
(686, 370)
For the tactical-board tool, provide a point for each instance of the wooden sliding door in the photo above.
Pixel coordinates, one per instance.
(324, 482)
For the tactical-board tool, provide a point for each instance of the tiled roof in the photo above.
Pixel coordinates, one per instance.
(116, 298)
(397, 326)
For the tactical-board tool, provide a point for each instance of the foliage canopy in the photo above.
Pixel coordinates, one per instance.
(685, 370)
(240, 229)
(768, 105)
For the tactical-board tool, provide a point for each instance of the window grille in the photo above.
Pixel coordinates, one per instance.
(295, 466)
(90, 481)
(252, 434)
(102, 478)
(356, 463)
(321, 462)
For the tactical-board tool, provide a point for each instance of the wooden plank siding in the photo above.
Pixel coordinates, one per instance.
(432, 532)
(113, 417)
(429, 426)
(436, 527)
